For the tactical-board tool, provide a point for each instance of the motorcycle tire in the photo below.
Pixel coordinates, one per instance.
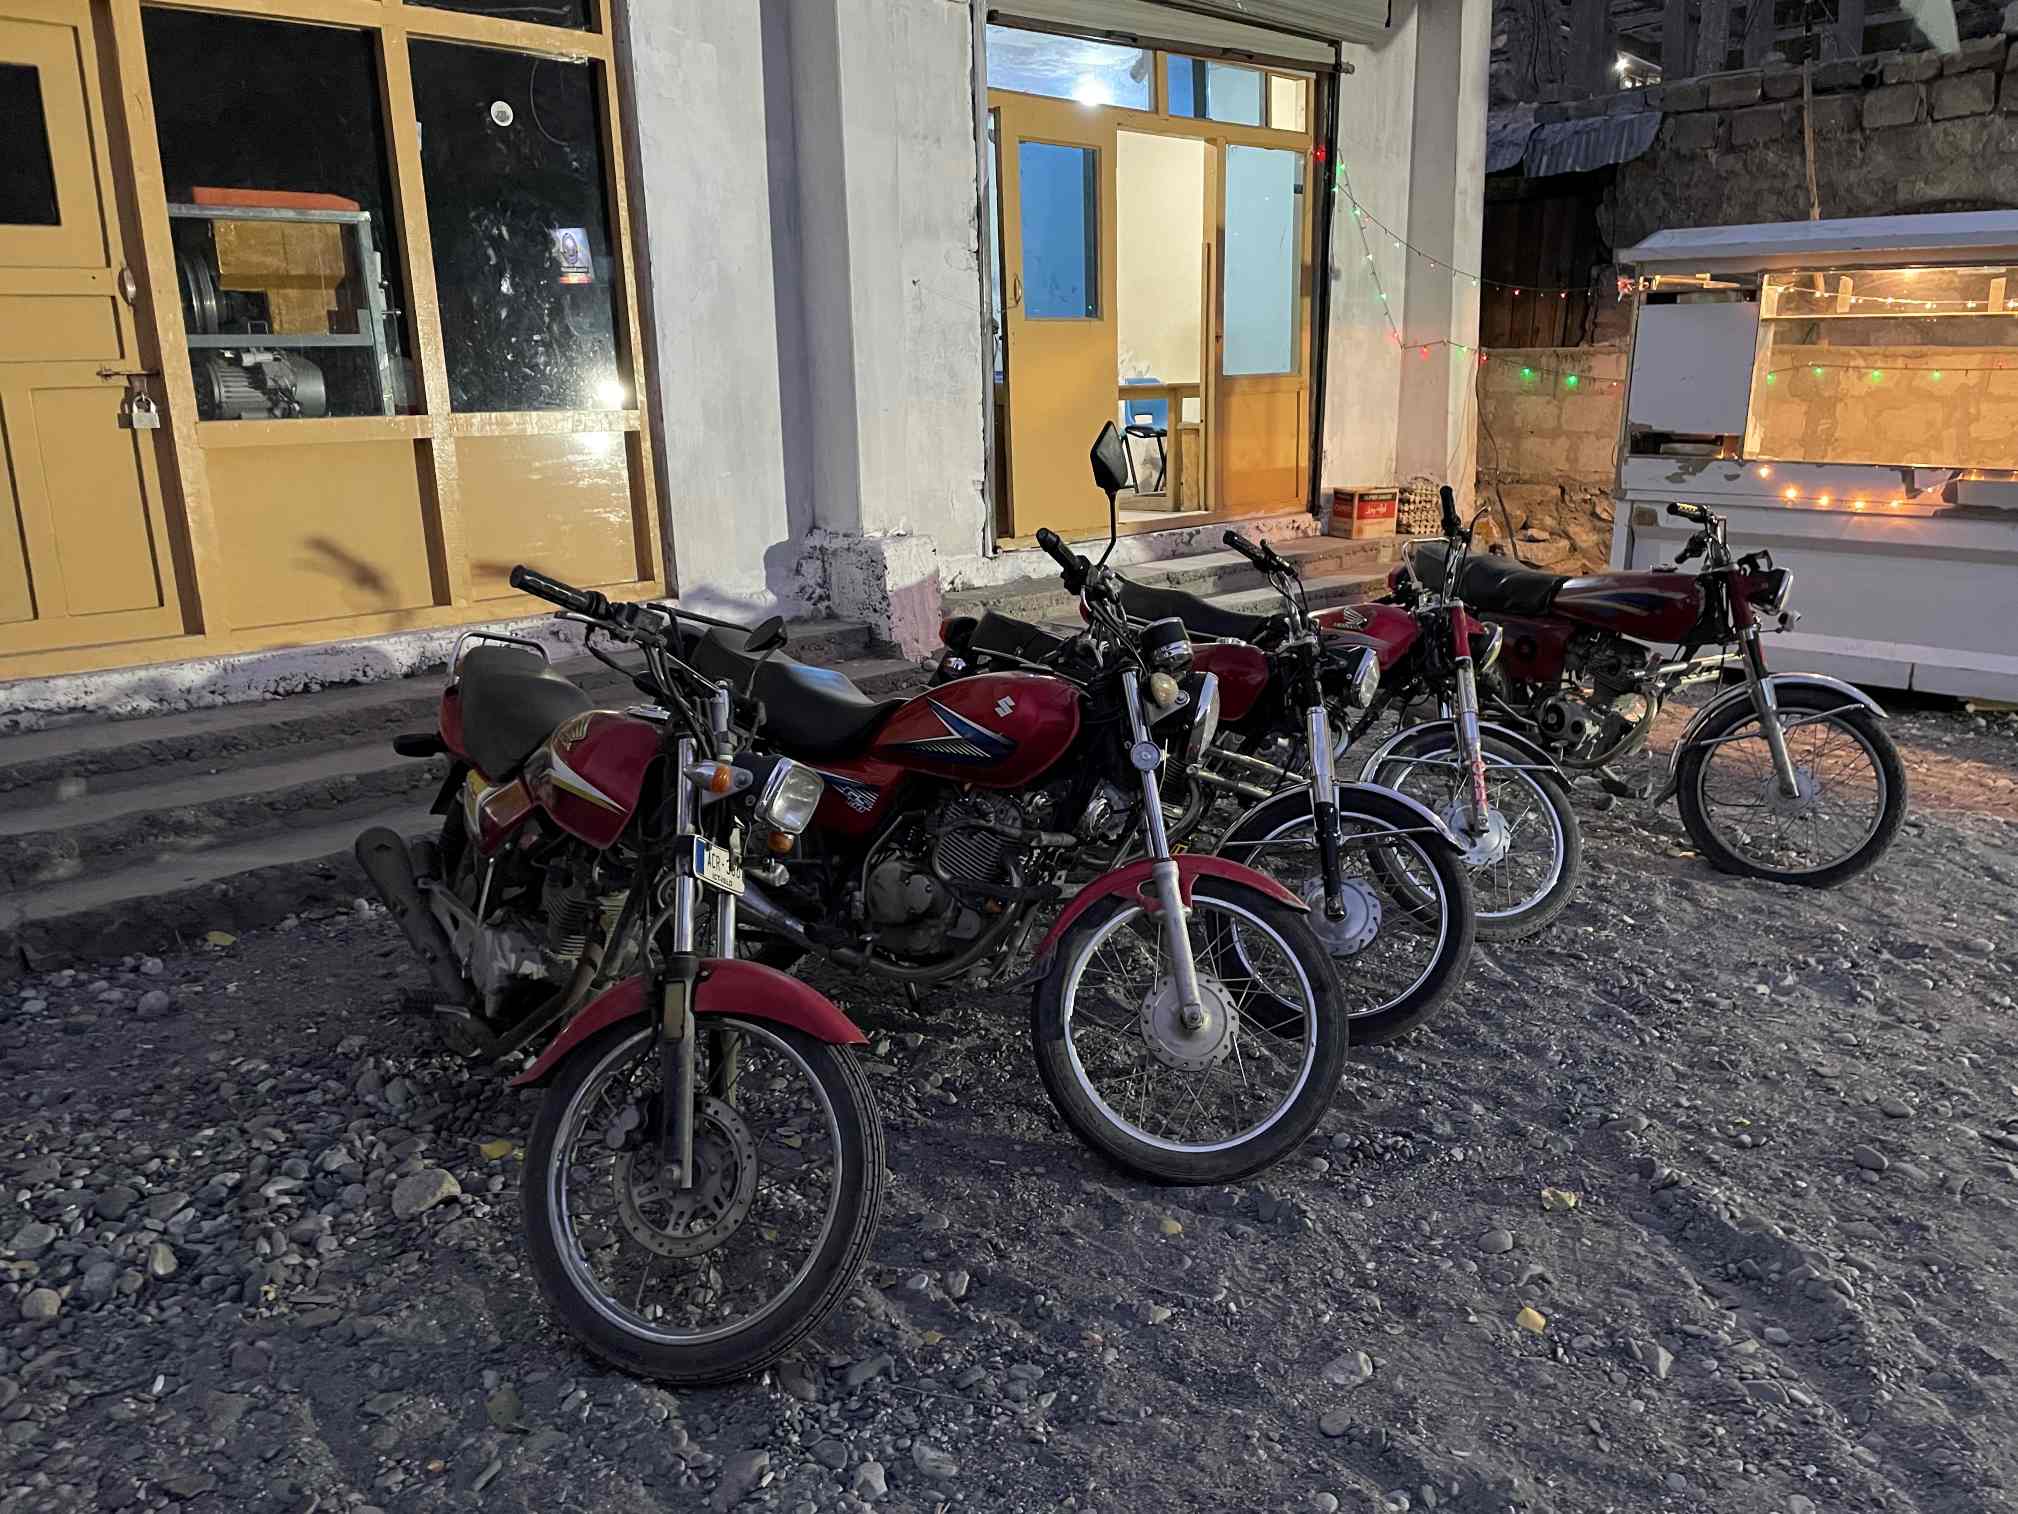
(1451, 955)
(1094, 1124)
(815, 1293)
(1536, 914)
(1861, 724)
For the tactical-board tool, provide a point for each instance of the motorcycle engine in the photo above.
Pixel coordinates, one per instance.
(915, 914)
(1602, 709)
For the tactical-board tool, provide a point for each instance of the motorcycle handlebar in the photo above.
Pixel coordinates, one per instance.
(1245, 548)
(1695, 513)
(1070, 563)
(1452, 526)
(581, 601)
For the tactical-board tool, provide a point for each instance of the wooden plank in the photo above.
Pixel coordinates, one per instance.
(1847, 39)
(1592, 48)
(1678, 39)
(1713, 37)
(1758, 32)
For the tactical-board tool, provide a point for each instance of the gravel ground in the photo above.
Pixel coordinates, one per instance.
(1703, 1201)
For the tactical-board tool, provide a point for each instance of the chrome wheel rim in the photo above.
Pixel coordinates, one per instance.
(1519, 861)
(1841, 803)
(774, 1215)
(1254, 1042)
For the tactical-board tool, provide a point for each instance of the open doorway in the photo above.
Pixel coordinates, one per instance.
(1150, 239)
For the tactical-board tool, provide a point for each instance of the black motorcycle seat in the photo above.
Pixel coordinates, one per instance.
(1489, 582)
(808, 711)
(1007, 636)
(511, 702)
(1201, 617)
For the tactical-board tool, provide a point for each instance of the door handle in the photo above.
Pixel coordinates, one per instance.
(1015, 290)
(129, 287)
(129, 373)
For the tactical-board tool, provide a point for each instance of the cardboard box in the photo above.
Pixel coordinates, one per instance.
(1360, 513)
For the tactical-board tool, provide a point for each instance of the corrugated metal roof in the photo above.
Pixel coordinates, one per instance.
(1580, 146)
(1506, 137)
(1881, 241)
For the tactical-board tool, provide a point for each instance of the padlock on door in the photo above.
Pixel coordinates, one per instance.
(142, 414)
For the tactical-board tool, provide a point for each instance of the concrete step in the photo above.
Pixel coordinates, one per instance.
(1323, 593)
(139, 857)
(1206, 574)
(40, 765)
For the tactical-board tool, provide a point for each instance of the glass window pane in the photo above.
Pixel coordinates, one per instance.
(27, 177)
(289, 271)
(1061, 231)
(570, 13)
(511, 152)
(1288, 103)
(1893, 367)
(1208, 91)
(1068, 68)
(995, 240)
(1264, 193)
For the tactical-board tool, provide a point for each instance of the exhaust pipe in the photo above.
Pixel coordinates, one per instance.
(774, 917)
(382, 853)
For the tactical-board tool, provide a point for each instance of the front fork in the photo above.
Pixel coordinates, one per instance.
(1145, 755)
(1324, 810)
(1768, 711)
(1471, 747)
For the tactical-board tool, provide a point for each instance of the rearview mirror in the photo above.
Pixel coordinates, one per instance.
(1110, 461)
(767, 636)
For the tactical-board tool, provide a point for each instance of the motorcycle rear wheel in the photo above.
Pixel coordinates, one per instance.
(569, 1158)
(1101, 1022)
(1732, 809)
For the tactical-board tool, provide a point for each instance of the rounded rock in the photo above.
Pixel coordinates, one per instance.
(41, 1304)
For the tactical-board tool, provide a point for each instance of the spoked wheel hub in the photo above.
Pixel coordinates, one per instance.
(1353, 934)
(1489, 846)
(1807, 790)
(1171, 1043)
(674, 1221)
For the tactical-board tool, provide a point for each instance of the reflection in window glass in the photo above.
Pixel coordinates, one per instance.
(1288, 103)
(570, 13)
(1068, 68)
(995, 242)
(288, 269)
(1210, 91)
(1061, 231)
(27, 177)
(1895, 367)
(1264, 190)
(511, 152)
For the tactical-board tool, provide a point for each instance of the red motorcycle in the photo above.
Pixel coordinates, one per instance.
(702, 1182)
(1188, 1023)
(1787, 776)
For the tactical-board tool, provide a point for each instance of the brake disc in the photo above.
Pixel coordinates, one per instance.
(679, 1222)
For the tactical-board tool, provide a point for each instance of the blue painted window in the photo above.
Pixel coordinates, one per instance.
(1209, 91)
(1264, 196)
(1061, 231)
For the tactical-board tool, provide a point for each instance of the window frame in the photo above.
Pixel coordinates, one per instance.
(391, 25)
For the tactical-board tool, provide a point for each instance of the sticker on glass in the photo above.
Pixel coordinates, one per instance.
(571, 251)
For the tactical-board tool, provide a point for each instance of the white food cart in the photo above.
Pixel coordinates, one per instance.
(1846, 392)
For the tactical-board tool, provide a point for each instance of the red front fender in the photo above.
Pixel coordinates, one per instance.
(726, 988)
(1134, 879)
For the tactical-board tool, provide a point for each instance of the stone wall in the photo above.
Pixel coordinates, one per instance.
(1895, 134)
(1930, 406)
(1547, 448)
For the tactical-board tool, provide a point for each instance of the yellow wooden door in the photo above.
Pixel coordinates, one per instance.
(84, 555)
(1260, 411)
(1058, 198)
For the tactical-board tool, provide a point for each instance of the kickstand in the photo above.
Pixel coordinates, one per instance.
(913, 996)
(1624, 788)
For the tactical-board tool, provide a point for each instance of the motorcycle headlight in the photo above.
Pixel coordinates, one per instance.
(1166, 646)
(790, 795)
(1362, 679)
(1204, 722)
(1772, 589)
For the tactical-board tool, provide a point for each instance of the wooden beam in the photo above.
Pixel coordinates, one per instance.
(1758, 32)
(1591, 71)
(1678, 50)
(1713, 37)
(1847, 39)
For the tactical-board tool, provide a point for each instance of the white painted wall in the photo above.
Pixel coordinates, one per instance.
(700, 106)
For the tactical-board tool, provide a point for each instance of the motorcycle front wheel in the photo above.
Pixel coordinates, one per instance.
(1410, 920)
(1849, 804)
(1525, 868)
(1210, 1104)
(719, 1279)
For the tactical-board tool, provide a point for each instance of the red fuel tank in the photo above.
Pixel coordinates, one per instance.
(1650, 606)
(997, 730)
(1390, 627)
(1242, 670)
(589, 773)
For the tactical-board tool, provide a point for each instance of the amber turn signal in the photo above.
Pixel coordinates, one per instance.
(781, 843)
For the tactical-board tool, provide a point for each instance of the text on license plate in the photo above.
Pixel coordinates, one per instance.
(714, 866)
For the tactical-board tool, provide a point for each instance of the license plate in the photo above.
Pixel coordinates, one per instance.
(715, 867)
